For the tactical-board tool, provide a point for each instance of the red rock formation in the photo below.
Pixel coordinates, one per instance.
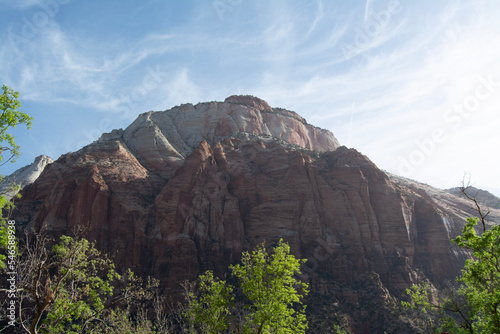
(186, 190)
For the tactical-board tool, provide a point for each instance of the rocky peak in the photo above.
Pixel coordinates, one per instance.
(24, 176)
(166, 138)
(250, 101)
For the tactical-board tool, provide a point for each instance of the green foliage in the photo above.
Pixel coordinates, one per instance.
(419, 297)
(481, 277)
(273, 292)
(120, 321)
(433, 316)
(10, 117)
(209, 309)
(69, 288)
(338, 330)
(269, 283)
(90, 276)
(475, 308)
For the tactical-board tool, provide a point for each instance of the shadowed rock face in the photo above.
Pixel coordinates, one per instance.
(186, 190)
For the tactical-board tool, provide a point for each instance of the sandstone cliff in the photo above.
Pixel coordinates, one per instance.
(188, 189)
(162, 140)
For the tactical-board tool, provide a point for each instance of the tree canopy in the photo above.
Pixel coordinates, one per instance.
(70, 287)
(475, 305)
(10, 117)
(272, 292)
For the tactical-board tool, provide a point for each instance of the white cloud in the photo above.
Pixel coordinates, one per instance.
(426, 58)
(181, 89)
(22, 4)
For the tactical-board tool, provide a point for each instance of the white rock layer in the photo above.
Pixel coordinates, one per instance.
(176, 132)
(24, 176)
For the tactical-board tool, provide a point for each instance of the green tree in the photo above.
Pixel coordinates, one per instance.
(10, 117)
(272, 291)
(475, 307)
(269, 282)
(71, 287)
(209, 308)
(481, 277)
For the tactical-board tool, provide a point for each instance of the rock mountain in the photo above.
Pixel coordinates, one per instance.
(188, 189)
(24, 176)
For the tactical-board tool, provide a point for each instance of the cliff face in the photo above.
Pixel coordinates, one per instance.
(186, 190)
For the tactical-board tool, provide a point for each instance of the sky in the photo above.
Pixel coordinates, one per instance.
(414, 86)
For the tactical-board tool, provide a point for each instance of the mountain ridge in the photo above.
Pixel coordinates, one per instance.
(484, 197)
(174, 199)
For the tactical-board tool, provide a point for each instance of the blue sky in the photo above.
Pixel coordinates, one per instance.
(414, 86)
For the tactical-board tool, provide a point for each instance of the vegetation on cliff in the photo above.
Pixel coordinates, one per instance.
(474, 307)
